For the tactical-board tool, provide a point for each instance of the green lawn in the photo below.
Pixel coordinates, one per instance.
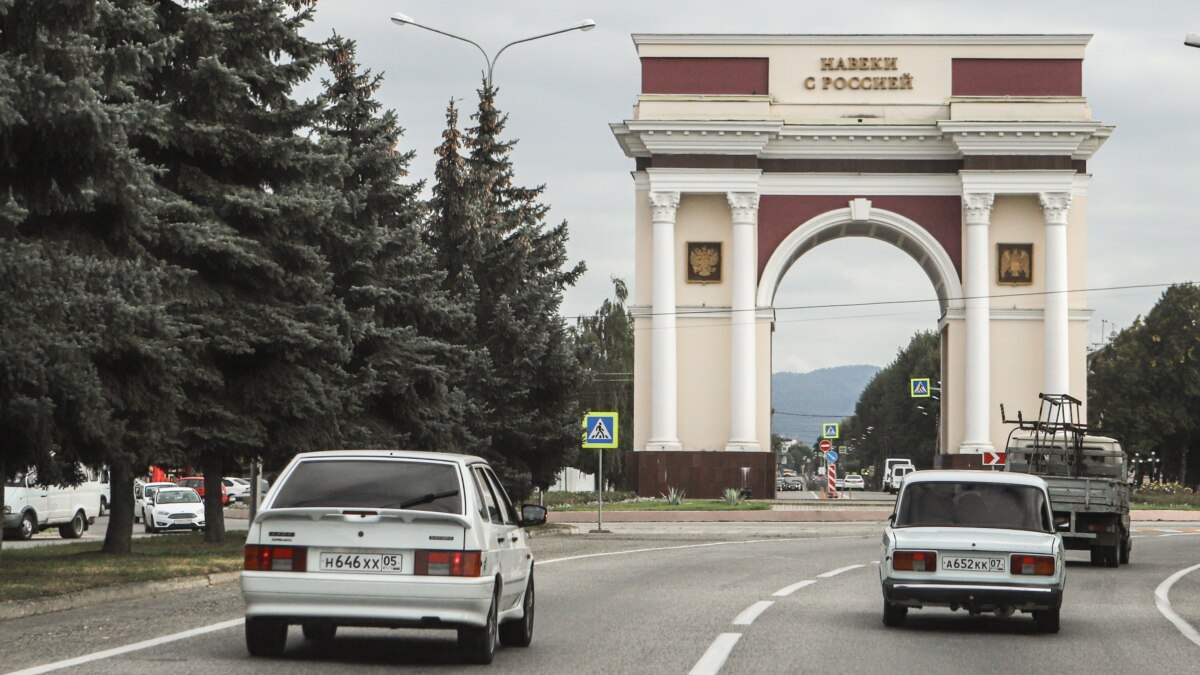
(662, 505)
(54, 570)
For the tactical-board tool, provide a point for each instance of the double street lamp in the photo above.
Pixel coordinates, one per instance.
(404, 20)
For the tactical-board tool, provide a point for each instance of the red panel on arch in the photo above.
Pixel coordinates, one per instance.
(690, 75)
(1017, 77)
(780, 215)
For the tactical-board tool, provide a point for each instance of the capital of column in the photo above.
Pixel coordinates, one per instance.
(744, 206)
(1054, 206)
(979, 207)
(664, 204)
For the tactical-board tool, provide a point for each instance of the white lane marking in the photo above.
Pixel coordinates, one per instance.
(674, 548)
(137, 646)
(788, 590)
(1180, 534)
(751, 613)
(714, 658)
(814, 494)
(1164, 605)
(838, 571)
(873, 562)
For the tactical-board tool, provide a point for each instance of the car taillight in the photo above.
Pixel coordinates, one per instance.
(276, 559)
(914, 561)
(1102, 528)
(1032, 564)
(448, 563)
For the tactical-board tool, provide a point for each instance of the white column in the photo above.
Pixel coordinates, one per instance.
(743, 357)
(976, 431)
(1057, 365)
(663, 383)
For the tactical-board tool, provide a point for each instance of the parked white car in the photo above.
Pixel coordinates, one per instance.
(390, 539)
(982, 541)
(140, 491)
(238, 489)
(174, 508)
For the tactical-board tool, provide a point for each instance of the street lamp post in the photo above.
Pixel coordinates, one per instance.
(404, 20)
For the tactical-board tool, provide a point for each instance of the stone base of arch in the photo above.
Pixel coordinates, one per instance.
(701, 474)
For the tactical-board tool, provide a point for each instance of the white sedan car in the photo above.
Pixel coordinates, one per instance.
(983, 541)
(854, 482)
(391, 539)
(174, 508)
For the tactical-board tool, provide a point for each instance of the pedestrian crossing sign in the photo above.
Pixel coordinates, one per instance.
(830, 430)
(600, 430)
(919, 387)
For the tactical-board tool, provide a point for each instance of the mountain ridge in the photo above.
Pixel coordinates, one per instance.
(802, 401)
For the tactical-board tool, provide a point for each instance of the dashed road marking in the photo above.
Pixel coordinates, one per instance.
(751, 613)
(838, 571)
(788, 590)
(718, 652)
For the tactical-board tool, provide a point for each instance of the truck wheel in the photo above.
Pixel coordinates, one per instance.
(1097, 554)
(1112, 555)
(1126, 546)
(73, 529)
(103, 505)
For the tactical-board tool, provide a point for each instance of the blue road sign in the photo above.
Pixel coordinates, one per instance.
(831, 456)
(919, 387)
(830, 430)
(600, 430)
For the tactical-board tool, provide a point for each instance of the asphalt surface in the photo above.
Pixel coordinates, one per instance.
(658, 599)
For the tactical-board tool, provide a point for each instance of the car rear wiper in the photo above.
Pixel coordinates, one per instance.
(425, 499)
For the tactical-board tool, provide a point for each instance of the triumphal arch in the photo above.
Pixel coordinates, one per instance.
(968, 152)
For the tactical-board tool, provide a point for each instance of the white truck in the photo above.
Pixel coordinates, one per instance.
(30, 506)
(891, 483)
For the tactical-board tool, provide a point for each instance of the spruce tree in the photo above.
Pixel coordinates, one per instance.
(513, 267)
(267, 336)
(407, 376)
(88, 368)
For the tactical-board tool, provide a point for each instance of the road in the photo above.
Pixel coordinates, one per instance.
(726, 598)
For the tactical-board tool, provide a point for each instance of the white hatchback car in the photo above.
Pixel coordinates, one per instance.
(174, 508)
(390, 538)
(983, 541)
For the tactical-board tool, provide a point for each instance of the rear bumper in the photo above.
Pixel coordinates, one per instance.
(345, 599)
(973, 596)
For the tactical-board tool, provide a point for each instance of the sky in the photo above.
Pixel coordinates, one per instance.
(562, 92)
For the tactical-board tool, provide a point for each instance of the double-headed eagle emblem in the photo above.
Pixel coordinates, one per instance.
(704, 261)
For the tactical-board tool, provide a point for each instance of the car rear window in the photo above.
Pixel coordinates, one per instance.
(954, 504)
(366, 483)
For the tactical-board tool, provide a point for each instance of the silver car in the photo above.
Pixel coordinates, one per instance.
(982, 541)
(390, 538)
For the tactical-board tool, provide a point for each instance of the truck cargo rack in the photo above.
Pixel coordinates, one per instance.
(1057, 435)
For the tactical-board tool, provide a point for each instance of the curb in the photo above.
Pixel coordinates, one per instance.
(97, 596)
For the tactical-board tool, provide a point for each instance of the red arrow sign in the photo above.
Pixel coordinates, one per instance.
(825, 445)
(993, 458)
